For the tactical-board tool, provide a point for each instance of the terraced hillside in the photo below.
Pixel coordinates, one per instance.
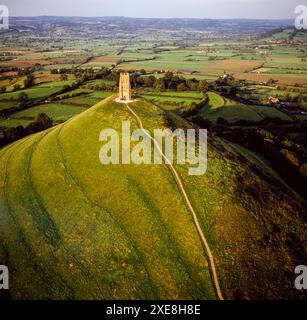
(72, 228)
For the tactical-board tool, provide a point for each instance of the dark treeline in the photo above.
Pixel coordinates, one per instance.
(140, 80)
(169, 81)
(42, 122)
(267, 138)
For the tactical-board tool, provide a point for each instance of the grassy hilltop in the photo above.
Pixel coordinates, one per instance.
(71, 228)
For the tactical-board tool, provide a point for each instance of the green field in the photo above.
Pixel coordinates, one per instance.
(58, 112)
(219, 107)
(6, 105)
(100, 94)
(37, 92)
(171, 97)
(85, 101)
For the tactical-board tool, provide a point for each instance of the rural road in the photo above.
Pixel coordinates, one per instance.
(188, 202)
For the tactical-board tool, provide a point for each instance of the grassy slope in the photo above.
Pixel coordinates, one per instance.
(254, 228)
(219, 107)
(37, 92)
(78, 229)
(100, 229)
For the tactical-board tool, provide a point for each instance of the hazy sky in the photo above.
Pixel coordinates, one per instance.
(261, 9)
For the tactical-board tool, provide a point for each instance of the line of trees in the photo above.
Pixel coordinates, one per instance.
(42, 122)
(169, 82)
(268, 138)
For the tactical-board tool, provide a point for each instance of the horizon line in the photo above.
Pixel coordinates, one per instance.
(161, 18)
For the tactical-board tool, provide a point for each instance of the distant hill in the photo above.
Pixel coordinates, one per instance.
(96, 27)
(286, 34)
(71, 228)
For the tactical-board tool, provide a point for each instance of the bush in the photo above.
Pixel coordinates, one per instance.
(181, 87)
(222, 121)
(16, 87)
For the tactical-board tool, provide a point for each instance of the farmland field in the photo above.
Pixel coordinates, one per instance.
(37, 92)
(58, 112)
(224, 108)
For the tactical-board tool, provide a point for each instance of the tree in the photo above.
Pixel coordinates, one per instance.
(160, 85)
(222, 121)
(232, 91)
(149, 81)
(168, 76)
(44, 120)
(193, 84)
(139, 81)
(181, 87)
(63, 77)
(23, 97)
(300, 100)
(16, 87)
(203, 86)
(3, 89)
(13, 134)
(29, 81)
(303, 169)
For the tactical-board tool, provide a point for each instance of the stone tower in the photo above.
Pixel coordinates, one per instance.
(124, 87)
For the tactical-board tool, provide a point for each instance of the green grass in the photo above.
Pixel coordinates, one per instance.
(13, 122)
(170, 97)
(55, 111)
(169, 100)
(37, 92)
(58, 112)
(216, 101)
(81, 230)
(180, 94)
(114, 253)
(7, 105)
(100, 94)
(270, 112)
(219, 107)
(73, 92)
(85, 101)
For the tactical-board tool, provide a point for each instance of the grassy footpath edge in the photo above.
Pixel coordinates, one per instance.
(191, 209)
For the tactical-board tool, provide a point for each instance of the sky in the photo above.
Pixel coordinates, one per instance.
(213, 9)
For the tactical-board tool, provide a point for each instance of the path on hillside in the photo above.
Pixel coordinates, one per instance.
(189, 204)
